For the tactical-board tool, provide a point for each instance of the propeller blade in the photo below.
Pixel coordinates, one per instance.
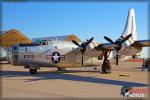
(76, 43)
(126, 38)
(89, 41)
(118, 44)
(82, 58)
(108, 39)
(82, 47)
(117, 58)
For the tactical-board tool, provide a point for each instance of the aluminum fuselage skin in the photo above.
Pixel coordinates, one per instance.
(70, 53)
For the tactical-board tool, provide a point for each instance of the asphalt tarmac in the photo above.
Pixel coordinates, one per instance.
(17, 82)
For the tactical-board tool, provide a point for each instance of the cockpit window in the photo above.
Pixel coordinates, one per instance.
(15, 48)
(38, 42)
(44, 42)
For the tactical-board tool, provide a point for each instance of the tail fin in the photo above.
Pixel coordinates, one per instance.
(130, 27)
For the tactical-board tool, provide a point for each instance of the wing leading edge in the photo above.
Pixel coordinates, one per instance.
(141, 43)
(110, 46)
(105, 46)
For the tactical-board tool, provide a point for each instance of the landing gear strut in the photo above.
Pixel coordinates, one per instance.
(106, 67)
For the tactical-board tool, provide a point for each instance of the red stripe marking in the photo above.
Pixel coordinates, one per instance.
(48, 57)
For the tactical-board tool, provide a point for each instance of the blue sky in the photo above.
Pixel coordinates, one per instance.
(84, 19)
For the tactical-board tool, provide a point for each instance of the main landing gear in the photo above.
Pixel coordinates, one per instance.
(32, 69)
(106, 67)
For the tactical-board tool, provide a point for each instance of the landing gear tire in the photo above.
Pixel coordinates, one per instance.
(106, 67)
(33, 71)
(95, 68)
(148, 67)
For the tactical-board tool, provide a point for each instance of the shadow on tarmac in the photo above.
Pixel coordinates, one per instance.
(62, 76)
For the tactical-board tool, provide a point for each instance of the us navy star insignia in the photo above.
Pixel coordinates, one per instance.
(55, 57)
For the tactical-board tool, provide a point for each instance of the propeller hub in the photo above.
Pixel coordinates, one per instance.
(118, 44)
(83, 47)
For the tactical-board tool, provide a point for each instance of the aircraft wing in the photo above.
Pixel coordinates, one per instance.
(110, 46)
(105, 46)
(141, 43)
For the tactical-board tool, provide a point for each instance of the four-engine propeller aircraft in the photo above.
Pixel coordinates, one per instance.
(62, 54)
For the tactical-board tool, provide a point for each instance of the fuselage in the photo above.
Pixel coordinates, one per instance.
(62, 54)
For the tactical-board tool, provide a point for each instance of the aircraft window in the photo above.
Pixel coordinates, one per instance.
(44, 42)
(15, 56)
(37, 42)
(15, 48)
